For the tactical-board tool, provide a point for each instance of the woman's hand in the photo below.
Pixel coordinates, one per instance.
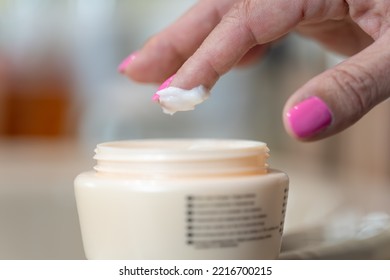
(216, 35)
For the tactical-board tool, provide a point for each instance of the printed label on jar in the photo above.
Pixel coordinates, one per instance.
(217, 221)
(284, 207)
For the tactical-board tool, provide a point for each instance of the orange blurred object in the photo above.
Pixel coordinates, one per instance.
(35, 102)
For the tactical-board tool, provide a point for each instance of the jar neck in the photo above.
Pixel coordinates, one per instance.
(182, 158)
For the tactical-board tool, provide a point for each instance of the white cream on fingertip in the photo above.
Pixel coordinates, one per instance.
(173, 99)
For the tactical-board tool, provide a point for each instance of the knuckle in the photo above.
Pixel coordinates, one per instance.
(360, 86)
(241, 16)
(371, 15)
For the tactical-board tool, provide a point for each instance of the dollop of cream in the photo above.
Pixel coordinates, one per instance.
(173, 99)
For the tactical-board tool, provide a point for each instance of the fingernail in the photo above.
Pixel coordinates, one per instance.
(122, 67)
(164, 85)
(309, 117)
(155, 97)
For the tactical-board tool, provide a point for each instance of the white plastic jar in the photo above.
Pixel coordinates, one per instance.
(182, 199)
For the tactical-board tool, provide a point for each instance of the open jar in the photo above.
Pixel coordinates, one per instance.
(182, 199)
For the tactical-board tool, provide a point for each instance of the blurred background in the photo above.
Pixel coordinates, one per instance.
(61, 94)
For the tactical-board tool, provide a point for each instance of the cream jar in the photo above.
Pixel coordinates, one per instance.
(182, 199)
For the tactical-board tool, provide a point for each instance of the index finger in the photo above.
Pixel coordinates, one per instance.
(164, 53)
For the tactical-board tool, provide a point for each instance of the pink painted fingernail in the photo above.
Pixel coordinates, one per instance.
(309, 117)
(122, 67)
(155, 97)
(164, 85)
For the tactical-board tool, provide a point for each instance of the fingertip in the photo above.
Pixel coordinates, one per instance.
(156, 98)
(126, 62)
(195, 72)
(166, 83)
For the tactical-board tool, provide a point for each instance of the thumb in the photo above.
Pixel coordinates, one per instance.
(337, 98)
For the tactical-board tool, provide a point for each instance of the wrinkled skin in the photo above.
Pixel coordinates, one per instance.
(227, 33)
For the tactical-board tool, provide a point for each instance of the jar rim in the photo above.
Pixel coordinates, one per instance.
(178, 149)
